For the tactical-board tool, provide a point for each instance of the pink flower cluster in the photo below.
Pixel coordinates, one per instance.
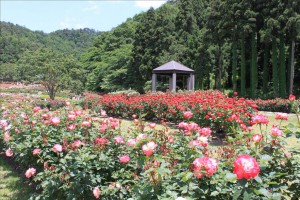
(204, 166)
(281, 116)
(260, 119)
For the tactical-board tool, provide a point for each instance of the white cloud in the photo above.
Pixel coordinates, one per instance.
(92, 7)
(147, 4)
(71, 23)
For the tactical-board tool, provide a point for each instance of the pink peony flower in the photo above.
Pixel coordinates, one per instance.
(55, 121)
(77, 143)
(281, 116)
(134, 116)
(67, 103)
(119, 139)
(124, 159)
(9, 153)
(85, 124)
(96, 192)
(131, 142)
(275, 131)
(152, 125)
(100, 141)
(71, 126)
(205, 132)
(57, 148)
(187, 114)
(260, 119)
(103, 128)
(6, 136)
(71, 117)
(256, 138)
(149, 148)
(203, 141)
(205, 167)
(36, 151)
(78, 112)
(30, 172)
(183, 125)
(36, 109)
(103, 113)
(246, 167)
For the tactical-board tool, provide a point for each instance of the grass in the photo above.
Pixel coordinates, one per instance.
(12, 186)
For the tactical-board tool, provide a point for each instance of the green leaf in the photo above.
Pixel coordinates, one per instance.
(247, 196)
(258, 179)
(187, 176)
(264, 192)
(230, 177)
(236, 194)
(214, 193)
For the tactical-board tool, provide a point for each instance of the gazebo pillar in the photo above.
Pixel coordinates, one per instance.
(173, 88)
(154, 82)
(192, 82)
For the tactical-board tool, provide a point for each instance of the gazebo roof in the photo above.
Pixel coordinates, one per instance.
(171, 67)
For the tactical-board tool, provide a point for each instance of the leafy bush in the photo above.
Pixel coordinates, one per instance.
(71, 154)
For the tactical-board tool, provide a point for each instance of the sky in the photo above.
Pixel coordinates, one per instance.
(49, 16)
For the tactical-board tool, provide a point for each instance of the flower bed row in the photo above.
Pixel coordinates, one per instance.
(71, 154)
(276, 105)
(209, 108)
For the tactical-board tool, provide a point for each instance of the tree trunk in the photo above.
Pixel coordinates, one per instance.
(292, 66)
(275, 68)
(266, 69)
(253, 69)
(234, 65)
(219, 76)
(282, 68)
(243, 67)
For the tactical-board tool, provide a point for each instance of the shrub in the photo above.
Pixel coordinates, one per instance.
(81, 156)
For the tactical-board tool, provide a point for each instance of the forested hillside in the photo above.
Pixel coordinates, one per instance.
(252, 47)
(17, 42)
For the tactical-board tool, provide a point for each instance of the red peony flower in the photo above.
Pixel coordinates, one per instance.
(246, 167)
(292, 97)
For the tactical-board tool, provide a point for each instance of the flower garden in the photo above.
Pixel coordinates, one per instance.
(80, 150)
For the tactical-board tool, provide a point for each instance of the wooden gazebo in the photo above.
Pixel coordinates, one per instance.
(173, 68)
